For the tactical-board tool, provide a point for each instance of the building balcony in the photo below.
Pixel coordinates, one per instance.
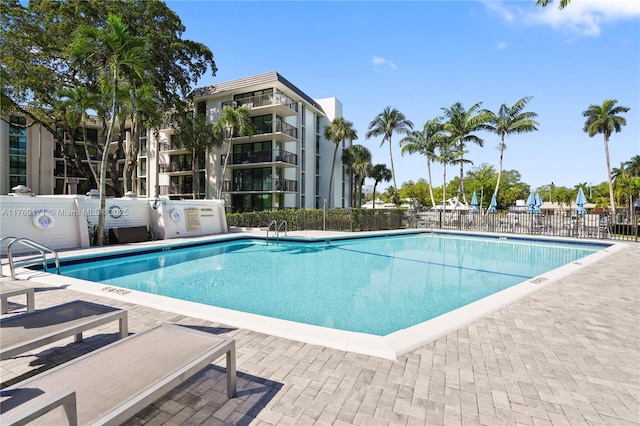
(266, 186)
(279, 103)
(174, 167)
(270, 131)
(185, 191)
(251, 158)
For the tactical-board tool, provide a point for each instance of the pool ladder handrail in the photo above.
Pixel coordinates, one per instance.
(275, 228)
(284, 222)
(30, 261)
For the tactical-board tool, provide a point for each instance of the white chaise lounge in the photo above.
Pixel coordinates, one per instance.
(115, 382)
(10, 288)
(32, 330)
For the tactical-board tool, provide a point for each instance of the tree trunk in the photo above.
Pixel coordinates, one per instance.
(374, 195)
(224, 167)
(500, 166)
(433, 200)
(461, 183)
(103, 167)
(333, 164)
(393, 173)
(606, 151)
(194, 171)
(86, 151)
(444, 188)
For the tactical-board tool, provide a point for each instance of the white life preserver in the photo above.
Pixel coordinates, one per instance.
(175, 215)
(43, 219)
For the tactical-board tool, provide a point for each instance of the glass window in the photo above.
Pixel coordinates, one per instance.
(143, 143)
(201, 109)
(17, 151)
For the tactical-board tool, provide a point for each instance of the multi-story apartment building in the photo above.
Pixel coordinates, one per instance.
(286, 163)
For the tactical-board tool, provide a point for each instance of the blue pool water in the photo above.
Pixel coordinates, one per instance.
(370, 285)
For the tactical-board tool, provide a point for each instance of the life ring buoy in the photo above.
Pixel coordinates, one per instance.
(175, 215)
(43, 219)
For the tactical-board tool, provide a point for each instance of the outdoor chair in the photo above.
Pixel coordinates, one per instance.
(112, 384)
(28, 331)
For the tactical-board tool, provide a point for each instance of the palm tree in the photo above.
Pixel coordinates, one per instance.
(197, 135)
(385, 124)
(605, 119)
(232, 122)
(117, 55)
(460, 125)
(143, 108)
(357, 159)
(337, 131)
(544, 3)
(510, 120)
(425, 143)
(379, 173)
(633, 166)
(75, 103)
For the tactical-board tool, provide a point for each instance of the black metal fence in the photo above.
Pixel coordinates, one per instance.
(558, 224)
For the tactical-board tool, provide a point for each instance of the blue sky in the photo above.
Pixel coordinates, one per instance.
(421, 56)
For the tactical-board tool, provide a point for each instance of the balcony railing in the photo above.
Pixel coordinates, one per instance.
(268, 156)
(172, 189)
(175, 167)
(271, 127)
(263, 100)
(267, 185)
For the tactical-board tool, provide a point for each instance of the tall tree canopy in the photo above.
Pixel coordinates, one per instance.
(337, 131)
(388, 122)
(36, 68)
(510, 120)
(32, 49)
(605, 119)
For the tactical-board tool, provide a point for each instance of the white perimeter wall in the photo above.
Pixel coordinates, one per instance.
(65, 222)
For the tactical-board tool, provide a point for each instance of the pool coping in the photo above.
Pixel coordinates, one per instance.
(391, 346)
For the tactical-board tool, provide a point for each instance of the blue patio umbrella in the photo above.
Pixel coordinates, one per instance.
(493, 204)
(531, 203)
(538, 204)
(581, 200)
(474, 203)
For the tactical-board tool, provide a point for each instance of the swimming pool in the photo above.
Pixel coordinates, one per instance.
(377, 285)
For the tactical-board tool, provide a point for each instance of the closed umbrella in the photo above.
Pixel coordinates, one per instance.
(474, 203)
(581, 200)
(493, 205)
(538, 204)
(531, 203)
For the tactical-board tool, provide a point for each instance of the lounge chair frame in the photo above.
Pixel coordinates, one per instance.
(16, 334)
(10, 288)
(170, 341)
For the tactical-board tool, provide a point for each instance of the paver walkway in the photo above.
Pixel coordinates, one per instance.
(567, 355)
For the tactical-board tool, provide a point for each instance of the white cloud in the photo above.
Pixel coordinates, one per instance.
(379, 62)
(584, 17)
(501, 45)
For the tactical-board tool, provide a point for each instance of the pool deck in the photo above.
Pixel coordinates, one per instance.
(568, 354)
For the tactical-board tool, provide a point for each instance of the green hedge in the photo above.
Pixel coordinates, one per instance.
(313, 219)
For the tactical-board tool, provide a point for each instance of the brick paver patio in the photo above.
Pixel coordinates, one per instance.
(567, 355)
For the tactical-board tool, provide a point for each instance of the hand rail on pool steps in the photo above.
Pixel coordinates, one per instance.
(275, 228)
